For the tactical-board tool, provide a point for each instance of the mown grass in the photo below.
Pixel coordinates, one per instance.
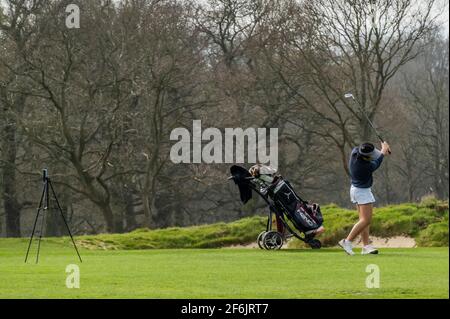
(221, 273)
(427, 222)
(134, 265)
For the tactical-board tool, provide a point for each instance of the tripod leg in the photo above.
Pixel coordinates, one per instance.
(35, 222)
(64, 219)
(41, 231)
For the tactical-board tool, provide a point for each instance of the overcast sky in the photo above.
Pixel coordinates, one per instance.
(441, 6)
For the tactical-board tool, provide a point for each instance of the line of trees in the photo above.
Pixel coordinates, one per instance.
(96, 105)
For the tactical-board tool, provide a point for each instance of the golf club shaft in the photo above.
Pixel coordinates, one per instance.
(376, 132)
(374, 129)
(370, 122)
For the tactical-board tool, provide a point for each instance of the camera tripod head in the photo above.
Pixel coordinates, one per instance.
(44, 175)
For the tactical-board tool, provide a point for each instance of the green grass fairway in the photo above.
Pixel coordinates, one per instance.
(222, 273)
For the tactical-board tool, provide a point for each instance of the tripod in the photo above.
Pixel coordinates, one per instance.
(42, 210)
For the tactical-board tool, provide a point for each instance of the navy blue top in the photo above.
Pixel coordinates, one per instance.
(361, 170)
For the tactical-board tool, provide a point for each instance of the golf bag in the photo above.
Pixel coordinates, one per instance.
(283, 202)
(306, 217)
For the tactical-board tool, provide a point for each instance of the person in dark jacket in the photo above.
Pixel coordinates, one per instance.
(364, 160)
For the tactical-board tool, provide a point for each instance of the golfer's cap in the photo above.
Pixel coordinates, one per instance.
(369, 150)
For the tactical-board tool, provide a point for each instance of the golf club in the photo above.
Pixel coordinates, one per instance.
(351, 96)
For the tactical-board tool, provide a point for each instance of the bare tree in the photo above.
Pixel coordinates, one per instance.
(16, 31)
(427, 91)
(81, 87)
(355, 46)
(229, 23)
(170, 88)
(97, 105)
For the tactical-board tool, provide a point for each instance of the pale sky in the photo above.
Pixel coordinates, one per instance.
(440, 6)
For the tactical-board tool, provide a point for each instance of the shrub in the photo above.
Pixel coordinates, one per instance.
(407, 219)
(434, 235)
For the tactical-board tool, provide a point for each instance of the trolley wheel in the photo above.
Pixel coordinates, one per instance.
(272, 240)
(315, 244)
(259, 240)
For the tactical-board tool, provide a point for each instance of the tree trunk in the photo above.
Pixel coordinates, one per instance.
(153, 211)
(101, 200)
(439, 176)
(10, 203)
(51, 222)
(109, 217)
(118, 223)
(147, 211)
(387, 184)
(54, 222)
(130, 214)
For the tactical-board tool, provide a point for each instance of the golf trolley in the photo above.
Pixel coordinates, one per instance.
(284, 204)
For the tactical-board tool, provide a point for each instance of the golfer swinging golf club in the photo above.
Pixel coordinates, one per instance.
(364, 160)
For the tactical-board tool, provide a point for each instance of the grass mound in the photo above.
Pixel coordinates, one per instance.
(427, 222)
(434, 235)
(206, 236)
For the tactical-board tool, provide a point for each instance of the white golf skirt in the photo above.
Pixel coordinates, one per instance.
(361, 196)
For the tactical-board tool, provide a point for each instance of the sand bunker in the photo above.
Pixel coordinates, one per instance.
(392, 242)
(379, 242)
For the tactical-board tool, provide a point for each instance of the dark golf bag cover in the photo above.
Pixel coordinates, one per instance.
(306, 218)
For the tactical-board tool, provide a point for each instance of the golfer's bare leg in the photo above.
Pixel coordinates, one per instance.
(365, 236)
(365, 233)
(365, 217)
